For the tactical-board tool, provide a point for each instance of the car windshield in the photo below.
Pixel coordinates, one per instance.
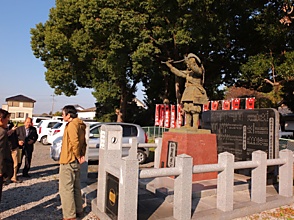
(95, 132)
(40, 123)
(129, 131)
(57, 125)
(92, 125)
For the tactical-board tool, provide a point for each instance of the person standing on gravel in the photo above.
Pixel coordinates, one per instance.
(13, 145)
(27, 136)
(6, 169)
(72, 155)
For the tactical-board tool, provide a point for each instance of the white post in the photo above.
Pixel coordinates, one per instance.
(183, 188)
(286, 174)
(157, 152)
(258, 177)
(101, 185)
(225, 182)
(128, 189)
(109, 155)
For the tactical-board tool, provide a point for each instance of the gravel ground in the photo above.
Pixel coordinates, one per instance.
(284, 213)
(37, 197)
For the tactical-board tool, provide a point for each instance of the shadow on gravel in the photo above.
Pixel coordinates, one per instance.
(25, 195)
(43, 171)
(44, 166)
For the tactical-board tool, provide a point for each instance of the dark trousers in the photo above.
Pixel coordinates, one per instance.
(1, 186)
(27, 153)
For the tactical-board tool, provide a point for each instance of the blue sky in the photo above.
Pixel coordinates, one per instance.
(22, 73)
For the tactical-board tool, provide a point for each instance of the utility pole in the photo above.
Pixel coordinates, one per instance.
(52, 104)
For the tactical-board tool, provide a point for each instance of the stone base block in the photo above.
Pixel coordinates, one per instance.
(201, 146)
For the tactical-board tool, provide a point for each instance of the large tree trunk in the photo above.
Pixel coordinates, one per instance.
(121, 112)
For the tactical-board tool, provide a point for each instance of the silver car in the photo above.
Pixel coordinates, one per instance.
(129, 131)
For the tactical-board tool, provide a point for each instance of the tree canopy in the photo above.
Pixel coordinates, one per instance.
(111, 46)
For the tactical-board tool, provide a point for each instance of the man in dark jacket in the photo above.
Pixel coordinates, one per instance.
(27, 136)
(5, 156)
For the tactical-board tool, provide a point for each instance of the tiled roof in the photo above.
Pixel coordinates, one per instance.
(78, 107)
(20, 98)
(93, 109)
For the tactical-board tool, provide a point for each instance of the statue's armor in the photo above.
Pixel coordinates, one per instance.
(194, 91)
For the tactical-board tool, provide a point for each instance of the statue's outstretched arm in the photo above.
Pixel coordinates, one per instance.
(174, 70)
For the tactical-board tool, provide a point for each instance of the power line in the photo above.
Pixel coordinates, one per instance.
(52, 104)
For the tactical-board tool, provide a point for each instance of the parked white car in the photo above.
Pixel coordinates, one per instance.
(129, 131)
(57, 118)
(43, 128)
(56, 131)
(38, 119)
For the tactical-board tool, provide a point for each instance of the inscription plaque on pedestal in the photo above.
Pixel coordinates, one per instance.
(171, 154)
(241, 132)
(112, 183)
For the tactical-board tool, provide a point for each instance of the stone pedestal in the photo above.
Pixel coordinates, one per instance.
(200, 145)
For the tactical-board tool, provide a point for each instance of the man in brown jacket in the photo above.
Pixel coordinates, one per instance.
(5, 156)
(72, 155)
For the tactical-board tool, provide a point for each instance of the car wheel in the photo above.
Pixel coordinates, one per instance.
(141, 156)
(44, 140)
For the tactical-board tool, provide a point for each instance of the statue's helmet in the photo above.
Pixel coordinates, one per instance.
(192, 55)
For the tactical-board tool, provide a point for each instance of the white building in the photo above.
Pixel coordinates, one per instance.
(20, 107)
(88, 113)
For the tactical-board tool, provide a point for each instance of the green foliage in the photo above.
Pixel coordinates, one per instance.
(286, 67)
(111, 46)
(58, 113)
(277, 69)
(255, 71)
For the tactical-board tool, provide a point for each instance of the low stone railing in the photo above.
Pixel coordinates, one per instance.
(126, 171)
(225, 179)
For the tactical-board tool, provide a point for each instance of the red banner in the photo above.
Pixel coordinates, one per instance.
(179, 116)
(226, 104)
(161, 117)
(250, 103)
(214, 105)
(157, 114)
(235, 104)
(206, 107)
(166, 116)
(173, 116)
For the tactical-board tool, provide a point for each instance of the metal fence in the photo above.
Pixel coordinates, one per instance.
(154, 131)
